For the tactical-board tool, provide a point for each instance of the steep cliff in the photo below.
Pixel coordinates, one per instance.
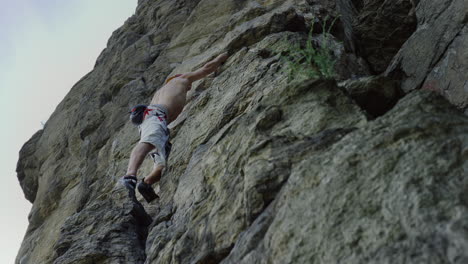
(365, 168)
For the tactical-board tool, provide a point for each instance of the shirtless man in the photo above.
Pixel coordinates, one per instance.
(165, 107)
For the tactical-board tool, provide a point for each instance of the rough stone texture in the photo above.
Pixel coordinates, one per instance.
(376, 29)
(262, 170)
(376, 94)
(214, 203)
(393, 191)
(381, 28)
(435, 56)
(27, 168)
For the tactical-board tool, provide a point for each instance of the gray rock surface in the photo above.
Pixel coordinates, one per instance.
(392, 191)
(435, 56)
(262, 170)
(381, 28)
(377, 29)
(376, 94)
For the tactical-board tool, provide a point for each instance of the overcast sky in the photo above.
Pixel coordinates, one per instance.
(46, 46)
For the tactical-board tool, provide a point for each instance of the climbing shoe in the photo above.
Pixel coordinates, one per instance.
(129, 181)
(146, 191)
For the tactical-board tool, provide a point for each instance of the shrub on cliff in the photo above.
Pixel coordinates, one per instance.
(312, 61)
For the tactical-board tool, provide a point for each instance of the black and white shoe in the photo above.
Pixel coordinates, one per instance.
(146, 191)
(129, 181)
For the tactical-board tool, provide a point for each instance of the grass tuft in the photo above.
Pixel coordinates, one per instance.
(311, 62)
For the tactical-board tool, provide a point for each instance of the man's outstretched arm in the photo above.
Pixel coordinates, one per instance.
(208, 68)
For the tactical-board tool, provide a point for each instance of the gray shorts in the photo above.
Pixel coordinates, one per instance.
(154, 131)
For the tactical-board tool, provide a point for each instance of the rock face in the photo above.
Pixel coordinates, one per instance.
(442, 32)
(381, 28)
(263, 170)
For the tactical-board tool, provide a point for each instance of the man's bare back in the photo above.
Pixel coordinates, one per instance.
(173, 94)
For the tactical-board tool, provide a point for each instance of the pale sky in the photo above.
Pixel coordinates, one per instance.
(46, 46)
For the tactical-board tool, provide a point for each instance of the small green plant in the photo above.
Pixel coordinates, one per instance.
(311, 62)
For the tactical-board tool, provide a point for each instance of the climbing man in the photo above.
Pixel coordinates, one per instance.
(166, 105)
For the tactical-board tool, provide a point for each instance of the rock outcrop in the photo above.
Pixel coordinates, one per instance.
(435, 56)
(360, 169)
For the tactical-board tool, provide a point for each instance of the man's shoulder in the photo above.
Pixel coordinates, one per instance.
(181, 77)
(172, 77)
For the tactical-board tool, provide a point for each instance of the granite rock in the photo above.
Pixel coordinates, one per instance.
(262, 170)
(434, 57)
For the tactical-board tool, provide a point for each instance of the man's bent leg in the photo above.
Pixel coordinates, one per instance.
(137, 156)
(144, 187)
(155, 175)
